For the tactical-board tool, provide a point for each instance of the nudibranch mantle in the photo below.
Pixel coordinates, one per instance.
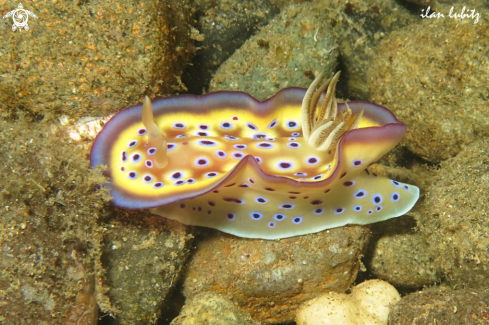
(255, 169)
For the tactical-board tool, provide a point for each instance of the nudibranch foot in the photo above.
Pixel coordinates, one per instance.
(322, 127)
(291, 165)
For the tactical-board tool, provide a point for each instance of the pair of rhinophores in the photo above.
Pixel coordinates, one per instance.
(291, 165)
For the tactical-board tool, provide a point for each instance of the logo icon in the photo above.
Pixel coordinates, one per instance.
(20, 16)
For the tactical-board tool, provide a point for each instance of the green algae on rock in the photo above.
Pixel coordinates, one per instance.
(48, 225)
(433, 75)
(454, 217)
(92, 57)
(292, 45)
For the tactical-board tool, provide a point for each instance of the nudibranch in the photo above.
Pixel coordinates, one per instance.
(291, 165)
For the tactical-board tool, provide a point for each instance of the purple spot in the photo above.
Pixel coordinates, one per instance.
(378, 208)
(317, 177)
(296, 134)
(259, 160)
(272, 124)
(136, 157)
(300, 174)
(230, 137)
(230, 199)
(291, 124)
(297, 220)
(261, 200)
(287, 206)
(271, 224)
(235, 118)
(190, 180)
(202, 162)
(265, 145)
(207, 143)
(211, 203)
(202, 134)
(151, 151)
(132, 175)
(284, 165)
(123, 168)
(339, 210)
(397, 184)
(377, 199)
(179, 126)
(395, 197)
(203, 126)
(316, 202)
(124, 156)
(226, 125)
(251, 180)
(370, 212)
(176, 175)
(406, 187)
(269, 189)
(256, 215)
(312, 160)
(279, 217)
(180, 182)
(132, 143)
(171, 146)
(211, 174)
(240, 146)
(257, 136)
(231, 216)
(360, 193)
(293, 145)
(343, 175)
(221, 154)
(319, 211)
(157, 184)
(237, 155)
(357, 208)
(349, 183)
(244, 185)
(357, 162)
(141, 131)
(182, 205)
(251, 126)
(147, 178)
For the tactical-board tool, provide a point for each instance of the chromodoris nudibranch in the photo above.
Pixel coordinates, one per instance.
(291, 165)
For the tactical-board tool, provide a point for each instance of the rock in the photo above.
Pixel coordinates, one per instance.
(224, 26)
(432, 76)
(212, 309)
(369, 303)
(92, 57)
(467, 306)
(270, 279)
(400, 255)
(455, 217)
(50, 237)
(397, 252)
(293, 48)
(358, 26)
(144, 257)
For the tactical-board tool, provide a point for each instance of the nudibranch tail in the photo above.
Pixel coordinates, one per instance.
(322, 127)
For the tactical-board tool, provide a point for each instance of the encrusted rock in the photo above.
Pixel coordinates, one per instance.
(270, 279)
(433, 76)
